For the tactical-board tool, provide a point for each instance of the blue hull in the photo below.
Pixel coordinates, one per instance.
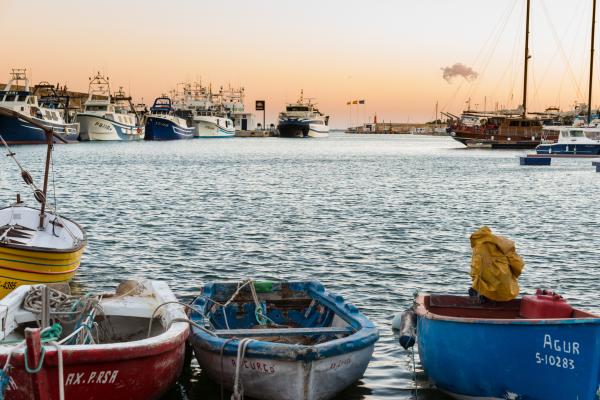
(534, 359)
(558, 148)
(17, 131)
(163, 129)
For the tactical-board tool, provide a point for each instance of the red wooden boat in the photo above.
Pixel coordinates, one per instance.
(129, 345)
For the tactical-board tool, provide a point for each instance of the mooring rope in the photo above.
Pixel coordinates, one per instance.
(238, 387)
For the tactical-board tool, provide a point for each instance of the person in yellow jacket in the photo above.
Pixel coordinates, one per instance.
(495, 266)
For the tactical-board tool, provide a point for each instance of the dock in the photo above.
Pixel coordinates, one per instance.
(257, 133)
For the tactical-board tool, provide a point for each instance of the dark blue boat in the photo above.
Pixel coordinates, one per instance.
(162, 124)
(502, 350)
(280, 340)
(15, 130)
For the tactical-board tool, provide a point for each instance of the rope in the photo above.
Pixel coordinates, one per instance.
(412, 353)
(39, 367)
(238, 388)
(178, 319)
(221, 350)
(61, 382)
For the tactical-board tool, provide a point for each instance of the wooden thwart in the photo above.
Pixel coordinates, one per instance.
(284, 331)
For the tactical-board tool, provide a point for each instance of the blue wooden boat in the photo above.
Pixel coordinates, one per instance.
(162, 124)
(280, 340)
(502, 350)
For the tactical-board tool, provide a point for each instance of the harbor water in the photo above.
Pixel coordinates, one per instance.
(374, 217)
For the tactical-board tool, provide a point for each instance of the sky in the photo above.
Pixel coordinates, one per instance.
(388, 52)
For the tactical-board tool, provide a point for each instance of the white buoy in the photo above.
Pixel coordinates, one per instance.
(397, 321)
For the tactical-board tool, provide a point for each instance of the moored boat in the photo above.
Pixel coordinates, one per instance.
(107, 117)
(126, 345)
(573, 140)
(280, 340)
(537, 347)
(18, 98)
(162, 124)
(37, 245)
(302, 119)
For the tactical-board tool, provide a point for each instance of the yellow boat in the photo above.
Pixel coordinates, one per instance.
(30, 255)
(36, 245)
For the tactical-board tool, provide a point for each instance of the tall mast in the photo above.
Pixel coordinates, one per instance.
(589, 114)
(49, 137)
(526, 61)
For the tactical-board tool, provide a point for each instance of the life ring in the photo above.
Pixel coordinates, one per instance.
(139, 130)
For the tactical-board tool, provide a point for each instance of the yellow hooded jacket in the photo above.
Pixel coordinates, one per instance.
(495, 265)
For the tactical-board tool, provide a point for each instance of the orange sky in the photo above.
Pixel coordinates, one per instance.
(388, 52)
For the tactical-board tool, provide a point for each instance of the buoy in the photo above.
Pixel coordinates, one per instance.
(408, 329)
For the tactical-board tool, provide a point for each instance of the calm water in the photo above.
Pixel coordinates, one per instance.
(373, 217)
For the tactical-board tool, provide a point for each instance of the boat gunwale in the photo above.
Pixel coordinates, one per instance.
(366, 333)
(73, 249)
(422, 311)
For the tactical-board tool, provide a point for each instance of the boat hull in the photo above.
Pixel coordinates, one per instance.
(25, 267)
(96, 128)
(301, 129)
(528, 359)
(273, 379)
(573, 149)
(207, 128)
(163, 129)
(18, 131)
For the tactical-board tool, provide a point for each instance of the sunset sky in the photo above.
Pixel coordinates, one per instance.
(388, 52)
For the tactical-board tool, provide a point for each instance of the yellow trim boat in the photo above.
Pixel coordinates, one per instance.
(36, 245)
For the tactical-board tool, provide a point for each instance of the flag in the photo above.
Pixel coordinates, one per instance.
(361, 102)
(348, 103)
(354, 101)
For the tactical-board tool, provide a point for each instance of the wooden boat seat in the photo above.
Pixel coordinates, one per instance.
(333, 330)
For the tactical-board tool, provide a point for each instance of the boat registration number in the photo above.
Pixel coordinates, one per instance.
(93, 377)
(560, 346)
(8, 285)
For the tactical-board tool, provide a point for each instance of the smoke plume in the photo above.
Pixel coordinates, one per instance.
(459, 69)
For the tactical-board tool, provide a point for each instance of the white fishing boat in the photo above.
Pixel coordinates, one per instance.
(204, 111)
(18, 97)
(303, 119)
(289, 340)
(107, 117)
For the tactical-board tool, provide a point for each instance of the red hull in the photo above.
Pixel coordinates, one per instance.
(129, 370)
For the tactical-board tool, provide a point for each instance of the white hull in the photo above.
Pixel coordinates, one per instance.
(213, 127)
(270, 379)
(320, 132)
(94, 128)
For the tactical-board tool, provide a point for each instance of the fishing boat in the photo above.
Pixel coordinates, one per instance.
(303, 119)
(124, 345)
(537, 347)
(18, 97)
(280, 340)
(204, 110)
(36, 245)
(107, 117)
(163, 124)
(573, 141)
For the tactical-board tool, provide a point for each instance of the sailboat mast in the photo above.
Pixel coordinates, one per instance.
(526, 60)
(589, 114)
(49, 137)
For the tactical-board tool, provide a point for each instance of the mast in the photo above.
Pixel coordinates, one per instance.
(589, 114)
(49, 137)
(526, 60)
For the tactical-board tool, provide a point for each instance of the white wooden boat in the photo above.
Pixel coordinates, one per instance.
(280, 340)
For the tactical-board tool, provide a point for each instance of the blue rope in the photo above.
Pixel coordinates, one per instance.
(39, 367)
(4, 380)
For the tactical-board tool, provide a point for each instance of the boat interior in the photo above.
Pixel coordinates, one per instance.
(475, 307)
(275, 312)
(19, 226)
(110, 318)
